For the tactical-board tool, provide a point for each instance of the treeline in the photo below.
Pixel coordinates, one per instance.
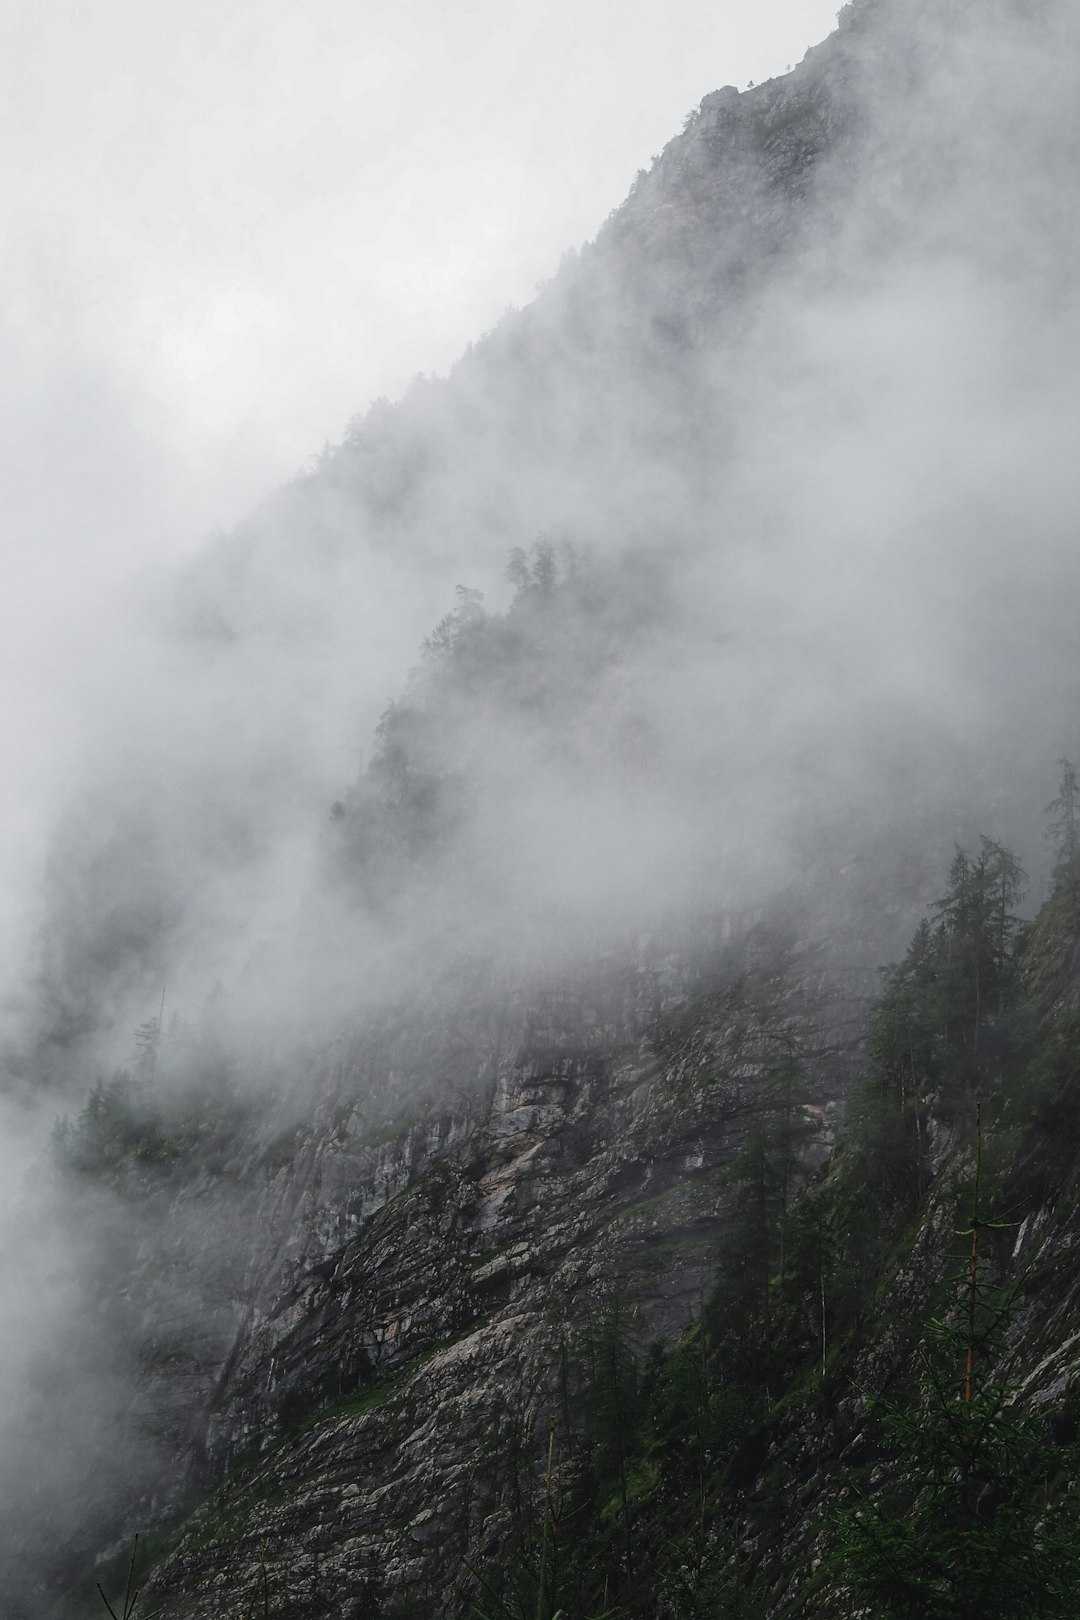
(673, 1478)
(495, 686)
(177, 1104)
(623, 1515)
(750, 1469)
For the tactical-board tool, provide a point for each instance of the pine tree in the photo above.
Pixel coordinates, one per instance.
(978, 1519)
(766, 1178)
(903, 1043)
(1064, 832)
(975, 974)
(613, 1415)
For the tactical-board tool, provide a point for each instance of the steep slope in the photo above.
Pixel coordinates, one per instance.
(409, 1291)
(376, 1441)
(509, 1010)
(787, 371)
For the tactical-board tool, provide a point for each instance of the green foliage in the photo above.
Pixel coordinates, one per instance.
(537, 577)
(126, 1605)
(978, 1518)
(127, 1127)
(1064, 828)
(765, 1180)
(1049, 961)
(626, 1505)
(903, 1038)
(950, 1022)
(1051, 1081)
(649, 1478)
(975, 969)
(534, 668)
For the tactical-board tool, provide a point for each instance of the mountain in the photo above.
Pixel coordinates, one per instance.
(487, 1179)
(806, 392)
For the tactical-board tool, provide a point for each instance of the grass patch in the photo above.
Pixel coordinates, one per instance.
(380, 1135)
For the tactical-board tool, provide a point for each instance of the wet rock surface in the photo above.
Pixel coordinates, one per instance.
(405, 1297)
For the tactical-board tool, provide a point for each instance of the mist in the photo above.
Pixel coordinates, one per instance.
(831, 531)
(764, 514)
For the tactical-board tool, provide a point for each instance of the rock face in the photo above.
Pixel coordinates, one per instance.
(405, 1314)
(348, 1304)
(409, 1288)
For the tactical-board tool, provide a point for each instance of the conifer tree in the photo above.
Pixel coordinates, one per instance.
(978, 1520)
(613, 1415)
(766, 1178)
(1064, 832)
(977, 930)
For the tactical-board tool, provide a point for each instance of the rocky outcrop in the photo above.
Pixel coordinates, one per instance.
(408, 1288)
(350, 1314)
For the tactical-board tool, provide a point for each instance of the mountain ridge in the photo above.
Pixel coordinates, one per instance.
(508, 1008)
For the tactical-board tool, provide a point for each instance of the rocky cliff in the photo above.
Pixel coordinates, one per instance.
(406, 1281)
(509, 1204)
(415, 1295)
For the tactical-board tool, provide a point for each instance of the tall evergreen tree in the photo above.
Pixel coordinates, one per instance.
(978, 927)
(1064, 831)
(978, 1518)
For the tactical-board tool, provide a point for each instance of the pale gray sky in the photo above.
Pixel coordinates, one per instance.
(241, 223)
(226, 228)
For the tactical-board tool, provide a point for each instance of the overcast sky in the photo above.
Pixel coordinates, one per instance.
(225, 229)
(229, 228)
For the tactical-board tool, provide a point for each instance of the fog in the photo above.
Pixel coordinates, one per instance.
(845, 510)
(225, 236)
(265, 220)
(782, 471)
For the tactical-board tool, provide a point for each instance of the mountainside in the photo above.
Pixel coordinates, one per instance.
(525, 1180)
(638, 1164)
(807, 393)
